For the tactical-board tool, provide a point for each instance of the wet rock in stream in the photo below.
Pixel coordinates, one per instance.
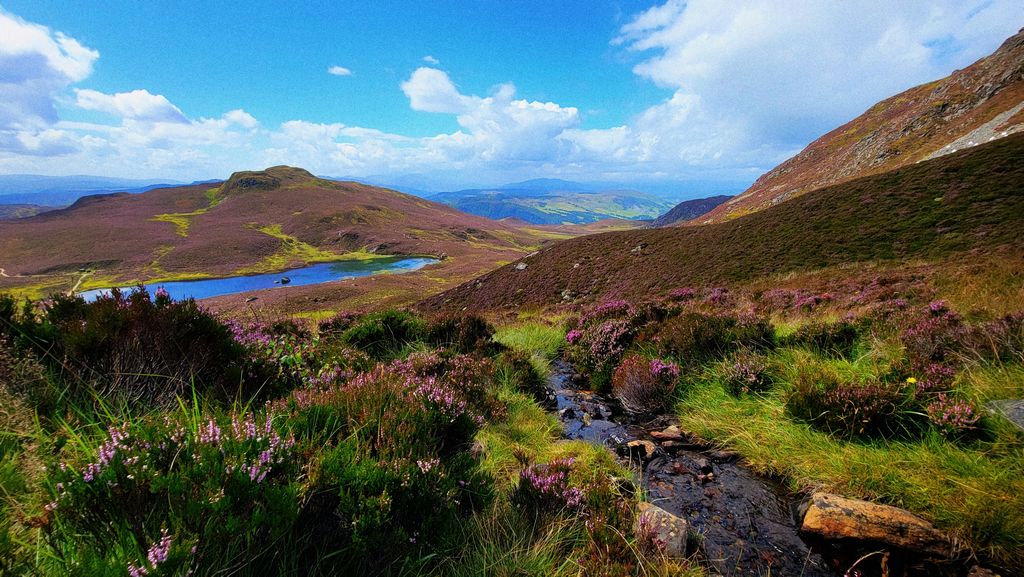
(746, 527)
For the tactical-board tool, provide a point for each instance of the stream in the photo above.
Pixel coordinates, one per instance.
(747, 523)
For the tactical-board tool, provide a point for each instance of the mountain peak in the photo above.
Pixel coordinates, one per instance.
(267, 179)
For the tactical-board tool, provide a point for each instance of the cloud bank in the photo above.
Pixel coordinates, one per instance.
(751, 82)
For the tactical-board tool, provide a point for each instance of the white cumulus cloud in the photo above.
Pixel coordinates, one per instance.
(36, 64)
(134, 105)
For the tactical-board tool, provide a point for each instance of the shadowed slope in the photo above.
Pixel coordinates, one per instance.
(689, 210)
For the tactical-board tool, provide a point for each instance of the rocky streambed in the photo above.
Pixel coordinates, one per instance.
(743, 523)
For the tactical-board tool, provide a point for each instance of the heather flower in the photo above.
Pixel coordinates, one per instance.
(548, 486)
(682, 294)
(607, 309)
(573, 336)
(745, 373)
(952, 416)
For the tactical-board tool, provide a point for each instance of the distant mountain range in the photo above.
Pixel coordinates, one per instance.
(553, 201)
(64, 190)
(979, 104)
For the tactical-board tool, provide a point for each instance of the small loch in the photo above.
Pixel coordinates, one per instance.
(313, 274)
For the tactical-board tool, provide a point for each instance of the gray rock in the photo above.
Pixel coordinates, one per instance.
(521, 266)
(670, 532)
(1010, 409)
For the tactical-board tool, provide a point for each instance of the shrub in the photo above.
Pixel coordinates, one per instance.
(644, 386)
(953, 417)
(547, 488)
(196, 493)
(601, 336)
(1000, 339)
(337, 324)
(838, 338)
(747, 372)
(682, 294)
(847, 408)
(396, 473)
(932, 380)
(132, 348)
(384, 334)
(698, 337)
(463, 334)
(935, 336)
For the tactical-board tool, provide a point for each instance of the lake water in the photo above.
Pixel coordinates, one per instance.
(314, 274)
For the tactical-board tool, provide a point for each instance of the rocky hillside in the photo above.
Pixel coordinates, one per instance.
(981, 103)
(969, 202)
(689, 210)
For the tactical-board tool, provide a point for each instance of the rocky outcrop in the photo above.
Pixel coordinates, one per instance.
(834, 517)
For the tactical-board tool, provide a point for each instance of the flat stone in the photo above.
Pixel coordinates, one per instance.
(835, 517)
(670, 532)
(521, 266)
(1010, 409)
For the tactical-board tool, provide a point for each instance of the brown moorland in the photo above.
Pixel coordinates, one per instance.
(963, 207)
(262, 221)
(969, 107)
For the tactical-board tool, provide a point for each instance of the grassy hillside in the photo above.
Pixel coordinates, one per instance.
(970, 202)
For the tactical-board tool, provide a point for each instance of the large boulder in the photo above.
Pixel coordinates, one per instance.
(669, 531)
(834, 517)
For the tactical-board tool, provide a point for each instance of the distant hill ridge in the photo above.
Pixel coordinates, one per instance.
(554, 201)
(980, 103)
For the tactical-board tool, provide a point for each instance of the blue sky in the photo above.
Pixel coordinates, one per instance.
(448, 94)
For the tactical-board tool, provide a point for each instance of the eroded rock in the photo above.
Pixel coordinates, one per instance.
(835, 517)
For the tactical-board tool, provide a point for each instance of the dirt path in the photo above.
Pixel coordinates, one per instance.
(80, 280)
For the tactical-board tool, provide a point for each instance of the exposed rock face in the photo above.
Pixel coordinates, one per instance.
(670, 532)
(834, 517)
(981, 103)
